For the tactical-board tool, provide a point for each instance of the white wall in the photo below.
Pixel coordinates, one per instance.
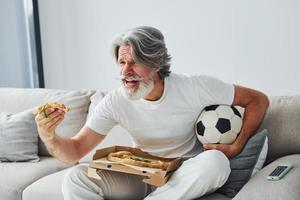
(253, 43)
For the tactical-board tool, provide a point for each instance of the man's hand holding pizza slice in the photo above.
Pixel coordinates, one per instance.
(48, 117)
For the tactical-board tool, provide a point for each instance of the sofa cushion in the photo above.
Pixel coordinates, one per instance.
(15, 177)
(18, 137)
(259, 188)
(282, 120)
(13, 100)
(242, 166)
(49, 186)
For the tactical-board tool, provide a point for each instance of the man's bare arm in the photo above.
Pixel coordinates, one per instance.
(68, 150)
(255, 104)
(71, 150)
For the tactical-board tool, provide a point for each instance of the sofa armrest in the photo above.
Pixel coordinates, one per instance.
(259, 188)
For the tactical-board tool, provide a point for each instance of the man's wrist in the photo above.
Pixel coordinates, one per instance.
(49, 139)
(238, 146)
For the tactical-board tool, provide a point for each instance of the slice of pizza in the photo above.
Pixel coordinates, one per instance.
(55, 105)
(126, 157)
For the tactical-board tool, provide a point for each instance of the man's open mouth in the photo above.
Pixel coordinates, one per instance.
(131, 83)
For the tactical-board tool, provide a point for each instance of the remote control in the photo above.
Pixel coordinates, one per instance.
(279, 172)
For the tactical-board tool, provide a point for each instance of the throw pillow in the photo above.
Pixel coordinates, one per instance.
(244, 165)
(14, 100)
(18, 137)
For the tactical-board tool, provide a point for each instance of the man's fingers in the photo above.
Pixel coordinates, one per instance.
(55, 123)
(44, 114)
(38, 117)
(53, 119)
(43, 121)
(210, 146)
(47, 112)
(53, 115)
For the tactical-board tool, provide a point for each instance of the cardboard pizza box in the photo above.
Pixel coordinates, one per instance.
(153, 176)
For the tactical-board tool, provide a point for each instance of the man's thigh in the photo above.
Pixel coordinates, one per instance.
(117, 185)
(196, 176)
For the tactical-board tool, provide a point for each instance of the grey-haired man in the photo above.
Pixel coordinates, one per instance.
(159, 109)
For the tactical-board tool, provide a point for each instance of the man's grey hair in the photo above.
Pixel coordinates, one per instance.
(148, 48)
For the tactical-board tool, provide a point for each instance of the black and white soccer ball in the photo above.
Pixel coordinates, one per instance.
(218, 124)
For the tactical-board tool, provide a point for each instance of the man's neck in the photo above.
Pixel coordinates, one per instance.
(157, 91)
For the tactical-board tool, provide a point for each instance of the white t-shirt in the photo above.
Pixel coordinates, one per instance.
(164, 127)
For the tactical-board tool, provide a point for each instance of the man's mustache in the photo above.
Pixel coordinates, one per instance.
(130, 78)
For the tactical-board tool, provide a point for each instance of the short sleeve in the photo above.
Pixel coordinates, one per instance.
(102, 120)
(213, 91)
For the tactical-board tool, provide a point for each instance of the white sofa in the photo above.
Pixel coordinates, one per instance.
(42, 180)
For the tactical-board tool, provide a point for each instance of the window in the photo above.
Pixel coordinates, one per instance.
(20, 50)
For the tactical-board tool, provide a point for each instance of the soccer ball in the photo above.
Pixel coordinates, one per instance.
(218, 124)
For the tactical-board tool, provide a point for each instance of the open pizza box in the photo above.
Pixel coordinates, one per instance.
(153, 176)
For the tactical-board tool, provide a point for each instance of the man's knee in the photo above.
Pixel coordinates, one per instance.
(77, 185)
(211, 161)
(74, 174)
(219, 164)
(218, 157)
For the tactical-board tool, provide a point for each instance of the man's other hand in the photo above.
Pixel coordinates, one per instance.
(230, 150)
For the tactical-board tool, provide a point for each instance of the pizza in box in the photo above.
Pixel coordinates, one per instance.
(126, 157)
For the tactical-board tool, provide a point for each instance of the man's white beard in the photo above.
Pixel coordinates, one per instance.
(143, 90)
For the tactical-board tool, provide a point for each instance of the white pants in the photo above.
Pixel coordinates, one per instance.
(196, 176)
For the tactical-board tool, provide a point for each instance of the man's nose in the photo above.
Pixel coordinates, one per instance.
(126, 69)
